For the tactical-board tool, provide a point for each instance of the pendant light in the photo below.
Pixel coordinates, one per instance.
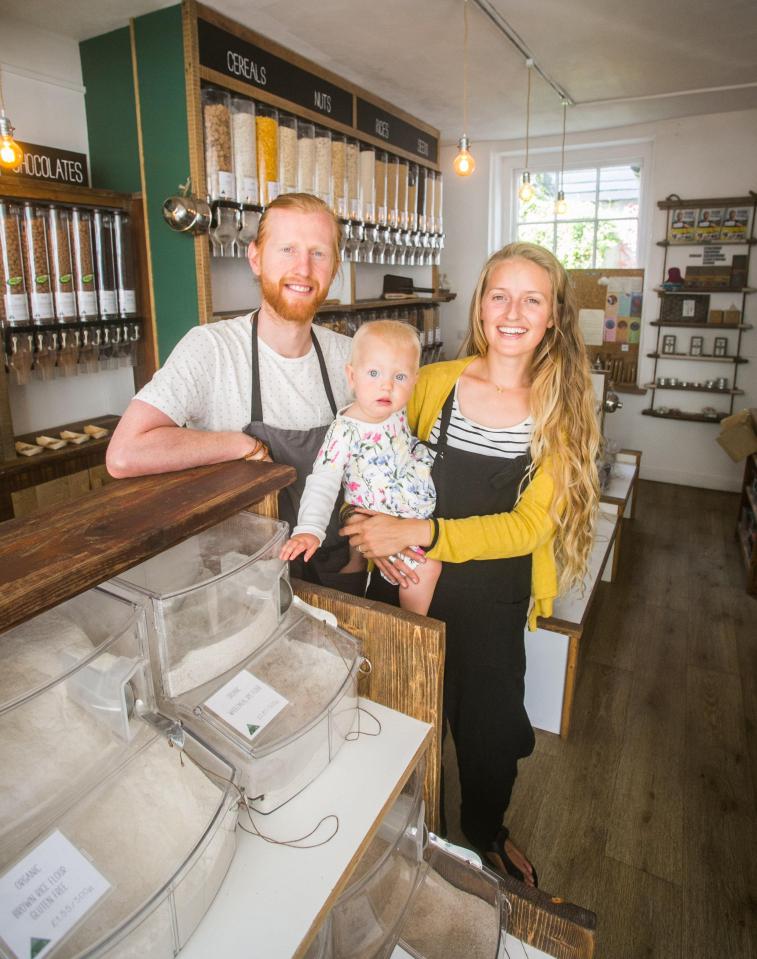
(464, 163)
(561, 204)
(11, 153)
(526, 190)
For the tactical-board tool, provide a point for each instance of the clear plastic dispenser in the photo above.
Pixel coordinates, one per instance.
(284, 716)
(211, 601)
(116, 825)
(457, 912)
(364, 922)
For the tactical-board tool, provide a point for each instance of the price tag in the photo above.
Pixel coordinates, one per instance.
(687, 308)
(44, 895)
(247, 704)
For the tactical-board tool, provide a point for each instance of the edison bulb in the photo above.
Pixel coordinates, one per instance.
(464, 163)
(11, 153)
(561, 204)
(526, 190)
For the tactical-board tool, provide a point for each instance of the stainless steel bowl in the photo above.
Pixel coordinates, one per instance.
(187, 214)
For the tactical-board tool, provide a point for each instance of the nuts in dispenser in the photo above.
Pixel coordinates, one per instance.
(36, 265)
(14, 305)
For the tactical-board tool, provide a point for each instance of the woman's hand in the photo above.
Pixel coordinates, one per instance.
(378, 536)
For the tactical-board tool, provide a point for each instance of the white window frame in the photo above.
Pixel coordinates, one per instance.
(507, 167)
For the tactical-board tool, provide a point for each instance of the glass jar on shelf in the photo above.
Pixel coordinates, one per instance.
(61, 266)
(430, 202)
(422, 181)
(105, 263)
(267, 142)
(382, 161)
(392, 190)
(412, 196)
(352, 162)
(245, 150)
(125, 285)
(14, 302)
(368, 183)
(82, 248)
(305, 157)
(287, 153)
(219, 164)
(403, 175)
(339, 174)
(36, 262)
(439, 220)
(323, 164)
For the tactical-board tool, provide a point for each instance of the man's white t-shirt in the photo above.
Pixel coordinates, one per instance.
(206, 383)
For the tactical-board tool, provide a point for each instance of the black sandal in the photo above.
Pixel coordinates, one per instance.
(502, 863)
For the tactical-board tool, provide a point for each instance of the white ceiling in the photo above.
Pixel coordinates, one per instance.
(410, 53)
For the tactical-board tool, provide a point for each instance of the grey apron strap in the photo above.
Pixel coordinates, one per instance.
(256, 399)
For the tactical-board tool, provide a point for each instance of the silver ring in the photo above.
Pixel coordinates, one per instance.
(360, 549)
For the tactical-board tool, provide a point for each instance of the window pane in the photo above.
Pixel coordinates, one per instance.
(542, 206)
(575, 244)
(619, 191)
(617, 243)
(580, 188)
(541, 233)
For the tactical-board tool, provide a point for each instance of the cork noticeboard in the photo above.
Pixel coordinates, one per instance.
(618, 295)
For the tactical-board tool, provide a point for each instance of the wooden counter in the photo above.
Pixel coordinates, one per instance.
(57, 553)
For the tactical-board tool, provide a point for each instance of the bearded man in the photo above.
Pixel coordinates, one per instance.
(261, 384)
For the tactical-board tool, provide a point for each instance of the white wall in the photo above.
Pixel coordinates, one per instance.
(711, 155)
(46, 106)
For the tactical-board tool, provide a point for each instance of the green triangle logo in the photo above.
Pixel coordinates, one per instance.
(252, 729)
(37, 946)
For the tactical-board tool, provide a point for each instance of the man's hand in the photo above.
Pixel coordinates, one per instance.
(306, 543)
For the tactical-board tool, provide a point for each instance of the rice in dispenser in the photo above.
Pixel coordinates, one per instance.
(339, 174)
(323, 164)
(245, 150)
(113, 839)
(368, 183)
(285, 714)
(352, 149)
(287, 153)
(211, 601)
(305, 157)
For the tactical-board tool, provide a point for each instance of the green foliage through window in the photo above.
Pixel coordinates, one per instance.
(601, 225)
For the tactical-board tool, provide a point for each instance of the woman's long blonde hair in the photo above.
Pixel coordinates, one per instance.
(566, 429)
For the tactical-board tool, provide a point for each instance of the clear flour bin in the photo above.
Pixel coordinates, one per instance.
(364, 922)
(210, 601)
(457, 912)
(284, 715)
(113, 841)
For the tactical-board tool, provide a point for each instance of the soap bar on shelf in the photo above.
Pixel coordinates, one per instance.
(96, 432)
(27, 449)
(78, 438)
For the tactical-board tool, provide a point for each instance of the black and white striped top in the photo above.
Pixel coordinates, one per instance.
(464, 434)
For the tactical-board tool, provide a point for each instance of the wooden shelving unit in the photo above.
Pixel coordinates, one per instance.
(736, 360)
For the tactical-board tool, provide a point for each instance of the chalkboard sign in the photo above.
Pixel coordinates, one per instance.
(228, 54)
(396, 132)
(50, 163)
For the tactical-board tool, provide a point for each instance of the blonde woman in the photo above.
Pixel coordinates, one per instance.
(515, 437)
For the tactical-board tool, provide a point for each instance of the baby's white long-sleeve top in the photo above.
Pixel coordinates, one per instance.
(380, 466)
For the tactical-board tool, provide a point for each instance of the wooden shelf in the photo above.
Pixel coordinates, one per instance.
(749, 241)
(678, 203)
(630, 388)
(697, 359)
(703, 326)
(705, 289)
(58, 553)
(48, 191)
(686, 417)
(69, 452)
(381, 304)
(695, 389)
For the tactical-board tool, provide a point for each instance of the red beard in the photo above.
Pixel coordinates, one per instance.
(289, 306)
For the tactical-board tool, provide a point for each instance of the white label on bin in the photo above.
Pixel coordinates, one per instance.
(273, 190)
(87, 301)
(45, 894)
(65, 304)
(246, 703)
(687, 308)
(108, 303)
(128, 302)
(17, 307)
(249, 189)
(226, 184)
(42, 305)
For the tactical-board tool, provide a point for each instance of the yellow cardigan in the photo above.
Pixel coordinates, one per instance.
(527, 529)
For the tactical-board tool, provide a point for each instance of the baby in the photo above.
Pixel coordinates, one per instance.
(370, 453)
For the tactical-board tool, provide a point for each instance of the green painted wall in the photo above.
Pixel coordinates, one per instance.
(165, 142)
(111, 112)
(111, 119)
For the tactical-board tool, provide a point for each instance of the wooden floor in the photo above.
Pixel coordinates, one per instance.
(647, 814)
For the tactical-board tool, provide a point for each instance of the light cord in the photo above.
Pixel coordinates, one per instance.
(465, 67)
(562, 150)
(528, 107)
